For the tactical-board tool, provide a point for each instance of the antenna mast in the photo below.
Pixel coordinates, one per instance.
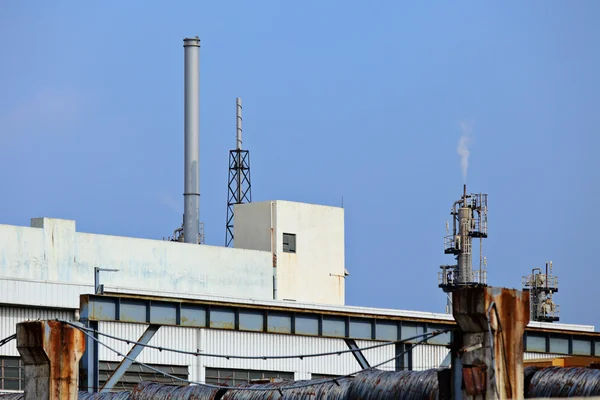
(239, 187)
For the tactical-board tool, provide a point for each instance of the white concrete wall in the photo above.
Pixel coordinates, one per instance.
(315, 273)
(53, 252)
(252, 226)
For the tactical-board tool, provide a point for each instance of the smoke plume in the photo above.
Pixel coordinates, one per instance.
(466, 129)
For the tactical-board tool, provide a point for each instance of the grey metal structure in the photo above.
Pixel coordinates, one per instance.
(192, 141)
(542, 285)
(239, 189)
(98, 287)
(126, 362)
(469, 221)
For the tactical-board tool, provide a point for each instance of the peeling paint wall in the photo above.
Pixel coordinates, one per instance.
(52, 251)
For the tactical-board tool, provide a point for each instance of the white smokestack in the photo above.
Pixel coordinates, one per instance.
(463, 147)
(191, 194)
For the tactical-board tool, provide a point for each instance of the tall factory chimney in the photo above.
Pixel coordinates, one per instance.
(191, 215)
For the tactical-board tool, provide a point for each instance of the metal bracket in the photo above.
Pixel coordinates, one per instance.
(98, 288)
(360, 357)
(126, 362)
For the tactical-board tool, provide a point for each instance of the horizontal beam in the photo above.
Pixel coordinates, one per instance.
(271, 319)
(194, 314)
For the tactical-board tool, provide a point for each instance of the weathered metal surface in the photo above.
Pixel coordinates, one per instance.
(10, 316)
(564, 382)
(156, 391)
(351, 311)
(51, 351)
(406, 385)
(492, 322)
(474, 379)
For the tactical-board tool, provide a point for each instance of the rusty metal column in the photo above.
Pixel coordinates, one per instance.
(51, 351)
(488, 348)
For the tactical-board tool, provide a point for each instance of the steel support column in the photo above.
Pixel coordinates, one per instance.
(403, 354)
(89, 377)
(360, 357)
(132, 355)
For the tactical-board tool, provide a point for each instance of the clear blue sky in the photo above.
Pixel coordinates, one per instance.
(363, 100)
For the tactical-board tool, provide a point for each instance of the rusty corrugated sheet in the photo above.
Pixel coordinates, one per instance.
(564, 382)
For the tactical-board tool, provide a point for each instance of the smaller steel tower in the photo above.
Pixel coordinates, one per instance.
(542, 285)
(239, 188)
(469, 221)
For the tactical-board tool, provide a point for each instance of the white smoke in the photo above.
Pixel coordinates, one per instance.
(463, 147)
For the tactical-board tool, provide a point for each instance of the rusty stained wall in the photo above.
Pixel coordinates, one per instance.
(51, 351)
(508, 315)
(11, 316)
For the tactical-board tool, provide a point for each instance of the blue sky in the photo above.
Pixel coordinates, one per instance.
(363, 100)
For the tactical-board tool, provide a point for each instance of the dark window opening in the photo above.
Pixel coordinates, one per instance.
(138, 373)
(236, 377)
(289, 242)
(12, 373)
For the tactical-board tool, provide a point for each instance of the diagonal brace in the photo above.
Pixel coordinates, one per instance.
(360, 357)
(126, 362)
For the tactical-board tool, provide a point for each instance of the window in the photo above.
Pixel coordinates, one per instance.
(582, 347)
(536, 343)
(138, 373)
(289, 242)
(559, 345)
(235, 377)
(11, 373)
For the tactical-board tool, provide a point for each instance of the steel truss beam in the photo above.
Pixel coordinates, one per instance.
(131, 356)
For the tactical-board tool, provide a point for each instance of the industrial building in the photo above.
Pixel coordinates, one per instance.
(278, 291)
(226, 298)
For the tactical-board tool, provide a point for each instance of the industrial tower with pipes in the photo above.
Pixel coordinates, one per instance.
(469, 221)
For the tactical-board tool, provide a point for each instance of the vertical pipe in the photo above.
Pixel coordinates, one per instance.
(465, 266)
(191, 193)
(274, 251)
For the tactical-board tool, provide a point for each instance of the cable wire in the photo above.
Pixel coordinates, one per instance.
(7, 339)
(428, 336)
(198, 353)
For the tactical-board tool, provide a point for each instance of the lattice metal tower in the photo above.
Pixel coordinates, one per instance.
(239, 187)
(469, 221)
(541, 287)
